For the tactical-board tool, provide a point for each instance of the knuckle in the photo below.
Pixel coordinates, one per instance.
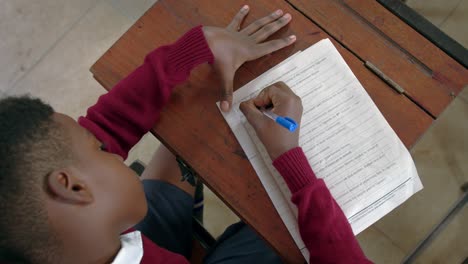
(242, 106)
(274, 28)
(272, 87)
(270, 28)
(297, 98)
(278, 44)
(290, 100)
(300, 106)
(281, 84)
(283, 20)
(226, 93)
(236, 20)
(258, 23)
(262, 93)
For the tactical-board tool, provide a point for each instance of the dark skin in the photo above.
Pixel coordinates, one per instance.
(88, 203)
(284, 102)
(236, 46)
(97, 197)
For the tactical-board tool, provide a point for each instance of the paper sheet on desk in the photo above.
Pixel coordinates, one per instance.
(346, 139)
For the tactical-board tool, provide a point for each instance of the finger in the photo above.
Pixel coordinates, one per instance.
(272, 46)
(238, 18)
(272, 94)
(252, 28)
(264, 98)
(283, 86)
(226, 93)
(251, 112)
(271, 28)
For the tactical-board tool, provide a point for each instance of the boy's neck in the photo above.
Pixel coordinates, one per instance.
(86, 237)
(92, 249)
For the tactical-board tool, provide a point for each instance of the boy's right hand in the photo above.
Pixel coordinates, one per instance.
(285, 102)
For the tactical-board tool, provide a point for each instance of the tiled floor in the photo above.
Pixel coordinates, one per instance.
(440, 158)
(451, 16)
(47, 47)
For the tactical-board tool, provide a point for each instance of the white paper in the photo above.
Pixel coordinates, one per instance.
(345, 137)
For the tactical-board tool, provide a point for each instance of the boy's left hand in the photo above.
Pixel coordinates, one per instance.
(232, 46)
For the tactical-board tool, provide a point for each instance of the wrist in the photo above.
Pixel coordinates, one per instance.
(208, 34)
(295, 169)
(184, 59)
(277, 152)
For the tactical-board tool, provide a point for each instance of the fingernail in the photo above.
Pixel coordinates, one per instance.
(287, 16)
(245, 7)
(279, 12)
(225, 106)
(292, 37)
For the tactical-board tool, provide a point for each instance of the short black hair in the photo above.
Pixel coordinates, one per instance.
(32, 145)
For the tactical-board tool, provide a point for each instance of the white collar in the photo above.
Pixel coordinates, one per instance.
(131, 250)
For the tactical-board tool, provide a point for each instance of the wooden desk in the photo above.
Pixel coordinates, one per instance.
(362, 30)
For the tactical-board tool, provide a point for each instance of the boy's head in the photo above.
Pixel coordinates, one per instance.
(60, 192)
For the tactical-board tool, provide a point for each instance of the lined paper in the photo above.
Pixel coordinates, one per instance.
(346, 139)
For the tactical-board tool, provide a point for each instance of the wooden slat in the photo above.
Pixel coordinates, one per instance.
(428, 30)
(427, 84)
(191, 125)
(444, 69)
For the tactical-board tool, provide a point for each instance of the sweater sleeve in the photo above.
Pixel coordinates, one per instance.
(322, 224)
(122, 116)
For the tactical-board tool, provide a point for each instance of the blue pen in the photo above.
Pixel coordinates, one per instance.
(284, 121)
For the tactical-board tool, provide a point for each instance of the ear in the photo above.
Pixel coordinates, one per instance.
(67, 187)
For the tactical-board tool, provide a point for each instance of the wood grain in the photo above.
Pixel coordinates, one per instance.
(374, 34)
(444, 68)
(191, 125)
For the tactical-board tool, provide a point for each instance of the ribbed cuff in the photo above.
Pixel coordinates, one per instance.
(189, 51)
(295, 169)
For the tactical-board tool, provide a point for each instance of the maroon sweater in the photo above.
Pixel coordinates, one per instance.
(121, 117)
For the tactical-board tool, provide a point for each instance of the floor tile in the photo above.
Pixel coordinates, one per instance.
(132, 9)
(144, 149)
(62, 77)
(435, 11)
(456, 25)
(217, 216)
(451, 135)
(464, 94)
(379, 248)
(440, 158)
(450, 16)
(29, 29)
(37, 34)
(451, 244)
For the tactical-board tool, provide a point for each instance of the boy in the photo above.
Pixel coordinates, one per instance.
(66, 195)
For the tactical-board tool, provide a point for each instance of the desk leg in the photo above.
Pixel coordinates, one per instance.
(439, 227)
